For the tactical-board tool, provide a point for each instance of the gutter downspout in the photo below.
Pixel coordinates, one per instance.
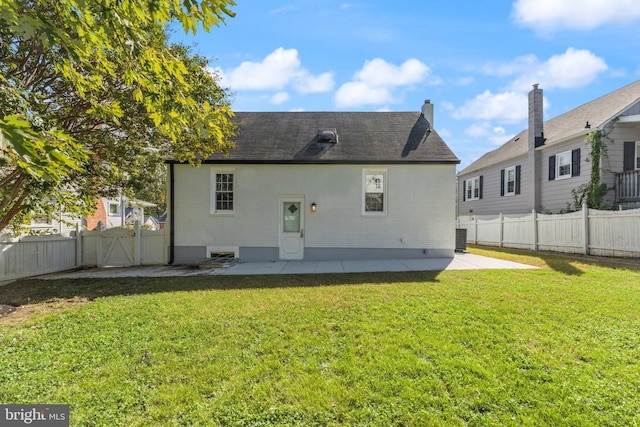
(172, 227)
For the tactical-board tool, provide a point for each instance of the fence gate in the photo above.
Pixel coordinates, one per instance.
(116, 248)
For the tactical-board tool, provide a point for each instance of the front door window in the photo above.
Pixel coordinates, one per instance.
(291, 218)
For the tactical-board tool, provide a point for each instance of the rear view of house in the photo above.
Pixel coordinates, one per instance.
(319, 186)
(543, 166)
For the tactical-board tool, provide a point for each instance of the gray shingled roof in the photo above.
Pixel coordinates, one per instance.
(568, 125)
(376, 137)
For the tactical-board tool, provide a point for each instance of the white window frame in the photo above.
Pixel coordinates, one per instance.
(366, 174)
(567, 155)
(214, 173)
(507, 171)
(473, 184)
(117, 212)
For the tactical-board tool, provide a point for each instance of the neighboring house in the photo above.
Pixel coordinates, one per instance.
(59, 223)
(117, 212)
(319, 186)
(151, 222)
(539, 167)
(161, 220)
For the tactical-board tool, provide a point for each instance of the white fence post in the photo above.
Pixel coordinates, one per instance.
(585, 227)
(137, 239)
(534, 221)
(501, 218)
(475, 234)
(78, 246)
(99, 230)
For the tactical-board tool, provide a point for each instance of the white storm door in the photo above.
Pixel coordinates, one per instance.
(291, 228)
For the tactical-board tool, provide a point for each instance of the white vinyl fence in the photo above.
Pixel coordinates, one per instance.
(592, 232)
(114, 247)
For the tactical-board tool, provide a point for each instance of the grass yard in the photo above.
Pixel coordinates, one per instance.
(555, 346)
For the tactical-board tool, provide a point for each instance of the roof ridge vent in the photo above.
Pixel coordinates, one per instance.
(327, 136)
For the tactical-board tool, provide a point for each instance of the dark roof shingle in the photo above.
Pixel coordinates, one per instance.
(375, 137)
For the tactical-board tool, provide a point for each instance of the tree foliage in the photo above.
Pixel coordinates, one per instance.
(93, 98)
(592, 193)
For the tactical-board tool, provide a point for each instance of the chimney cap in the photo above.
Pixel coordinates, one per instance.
(535, 85)
(427, 101)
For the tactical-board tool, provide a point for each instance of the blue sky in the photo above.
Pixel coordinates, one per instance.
(475, 60)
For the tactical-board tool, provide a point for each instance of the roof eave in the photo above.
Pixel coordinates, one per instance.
(321, 162)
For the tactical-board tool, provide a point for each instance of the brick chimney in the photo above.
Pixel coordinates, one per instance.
(427, 111)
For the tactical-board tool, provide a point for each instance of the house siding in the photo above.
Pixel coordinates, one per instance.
(614, 162)
(556, 194)
(492, 202)
(420, 211)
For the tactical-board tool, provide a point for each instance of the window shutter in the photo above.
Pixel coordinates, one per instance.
(629, 155)
(464, 191)
(552, 168)
(575, 162)
(480, 187)
(518, 171)
(502, 182)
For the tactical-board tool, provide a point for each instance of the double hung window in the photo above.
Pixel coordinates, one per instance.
(374, 192)
(222, 197)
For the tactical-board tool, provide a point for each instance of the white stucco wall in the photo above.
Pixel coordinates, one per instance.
(420, 206)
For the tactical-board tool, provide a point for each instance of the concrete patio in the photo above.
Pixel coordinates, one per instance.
(460, 261)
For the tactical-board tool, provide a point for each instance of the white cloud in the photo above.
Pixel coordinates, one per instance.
(378, 72)
(279, 69)
(547, 16)
(375, 82)
(496, 135)
(445, 133)
(306, 83)
(505, 107)
(506, 69)
(279, 98)
(447, 106)
(354, 94)
(573, 69)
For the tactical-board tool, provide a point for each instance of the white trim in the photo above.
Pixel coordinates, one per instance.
(214, 172)
(506, 181)
(634, 118)
(475, 188)
(117, 212)
(385, 191)
(636, 164)
(568, 175)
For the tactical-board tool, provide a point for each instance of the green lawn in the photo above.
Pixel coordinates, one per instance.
(554, 346)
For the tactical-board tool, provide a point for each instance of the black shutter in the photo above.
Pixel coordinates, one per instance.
(629, 156)
(575, 162)
(480, 191)
(518, 172)
(502, 182)
(464, 191)
(552, 168)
